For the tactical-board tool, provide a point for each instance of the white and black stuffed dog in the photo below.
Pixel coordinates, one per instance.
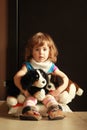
(33, 81)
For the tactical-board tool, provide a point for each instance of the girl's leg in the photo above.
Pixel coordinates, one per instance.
(54, 112)
(29, 111)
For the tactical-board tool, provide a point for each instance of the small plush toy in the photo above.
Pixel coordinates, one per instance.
(34, 81)
(69, 93)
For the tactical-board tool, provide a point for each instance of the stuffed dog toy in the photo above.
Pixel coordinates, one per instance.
(34, 81)
(69, 93)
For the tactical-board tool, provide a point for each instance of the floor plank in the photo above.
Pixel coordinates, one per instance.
(72, 121)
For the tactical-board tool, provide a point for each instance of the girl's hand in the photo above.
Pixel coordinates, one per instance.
(55, 93)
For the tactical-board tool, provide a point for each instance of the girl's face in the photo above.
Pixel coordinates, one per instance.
(40, 53)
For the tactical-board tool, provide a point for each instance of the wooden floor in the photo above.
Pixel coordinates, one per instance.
(72, 121)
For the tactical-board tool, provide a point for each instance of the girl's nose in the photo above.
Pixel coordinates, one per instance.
(41, 51)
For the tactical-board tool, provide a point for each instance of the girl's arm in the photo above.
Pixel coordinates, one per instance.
(17, 79)
(64, 85)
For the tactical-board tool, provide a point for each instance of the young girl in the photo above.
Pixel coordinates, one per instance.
(41, 53)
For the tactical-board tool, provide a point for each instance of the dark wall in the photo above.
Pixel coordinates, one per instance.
(3, 46)
(12, 47)
(66, 22)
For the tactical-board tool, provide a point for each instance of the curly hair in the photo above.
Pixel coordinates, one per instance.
(39, 39)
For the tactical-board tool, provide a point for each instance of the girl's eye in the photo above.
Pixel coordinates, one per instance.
(37, 49)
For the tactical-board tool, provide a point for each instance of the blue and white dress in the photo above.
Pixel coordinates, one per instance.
(46, 66)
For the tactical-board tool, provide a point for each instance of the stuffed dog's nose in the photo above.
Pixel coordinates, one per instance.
(49, 86)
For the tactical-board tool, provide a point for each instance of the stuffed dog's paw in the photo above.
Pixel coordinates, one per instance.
(40, 95)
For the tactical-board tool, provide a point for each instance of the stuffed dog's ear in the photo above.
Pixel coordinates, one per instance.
(28, 79)
(25, 80)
